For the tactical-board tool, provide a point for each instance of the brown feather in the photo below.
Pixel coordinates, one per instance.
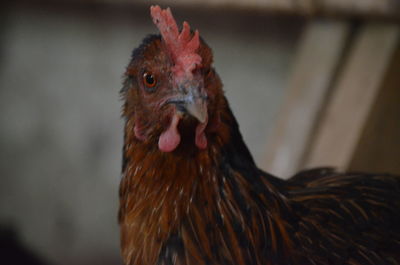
(196, 206)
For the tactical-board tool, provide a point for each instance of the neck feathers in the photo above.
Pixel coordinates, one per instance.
(199, 206)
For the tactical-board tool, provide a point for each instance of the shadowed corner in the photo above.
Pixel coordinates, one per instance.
(14, 251)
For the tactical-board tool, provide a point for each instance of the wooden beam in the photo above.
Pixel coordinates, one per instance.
(314, 69)
(363, 7)
(378, 149)
(354, 7)
(383, 8)
(352, 100)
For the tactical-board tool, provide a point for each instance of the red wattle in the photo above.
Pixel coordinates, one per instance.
(170, 139)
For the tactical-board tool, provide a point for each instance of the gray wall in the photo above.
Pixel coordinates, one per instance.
(60, 126)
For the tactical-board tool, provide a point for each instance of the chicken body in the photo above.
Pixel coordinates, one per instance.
(191, 193)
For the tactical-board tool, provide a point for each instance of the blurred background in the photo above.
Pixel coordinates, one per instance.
(312, 83)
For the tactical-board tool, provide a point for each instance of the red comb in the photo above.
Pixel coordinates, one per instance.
(181, 46)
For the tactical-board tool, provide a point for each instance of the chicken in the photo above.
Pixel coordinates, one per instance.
(191, 193)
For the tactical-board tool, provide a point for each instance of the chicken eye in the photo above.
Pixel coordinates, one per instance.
(149, 80)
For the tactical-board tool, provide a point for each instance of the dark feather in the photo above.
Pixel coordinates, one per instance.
(214, 206)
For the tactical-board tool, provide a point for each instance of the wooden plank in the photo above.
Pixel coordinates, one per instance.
(354, 95)
(313, 71)
(379, 147)
(365, 7)
(390, 8)
(355, 7)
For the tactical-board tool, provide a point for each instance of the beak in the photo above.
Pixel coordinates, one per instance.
(197, 107)
(193, 103)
